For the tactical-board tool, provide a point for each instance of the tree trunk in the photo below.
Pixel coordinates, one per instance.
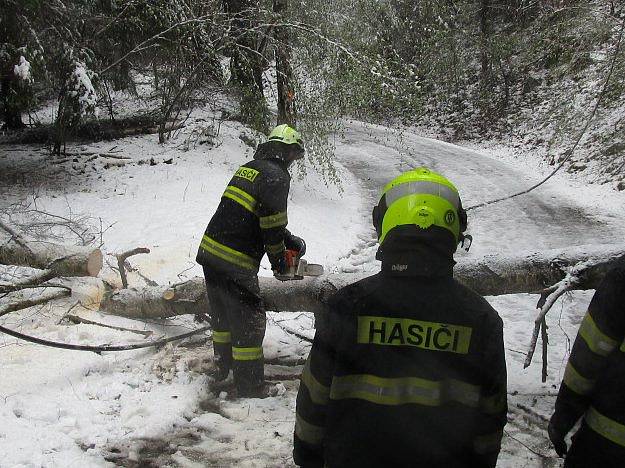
(532, 272)
(484, 59)
(284, 71)
(492, 275)
(61, 259)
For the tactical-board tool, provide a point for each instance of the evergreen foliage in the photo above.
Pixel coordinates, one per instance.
(468, 66)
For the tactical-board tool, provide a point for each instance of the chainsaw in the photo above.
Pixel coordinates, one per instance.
(297, 267)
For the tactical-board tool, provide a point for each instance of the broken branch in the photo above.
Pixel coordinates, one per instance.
(75, 319)
(24, 304)
(121, 258)
(29, 282)
(547, 300)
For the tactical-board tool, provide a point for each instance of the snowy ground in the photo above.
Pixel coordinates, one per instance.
(156, 407)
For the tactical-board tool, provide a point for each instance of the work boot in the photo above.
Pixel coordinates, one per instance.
(227, 385)
(219, 373)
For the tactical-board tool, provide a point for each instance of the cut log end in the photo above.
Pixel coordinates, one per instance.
(169, 294)
(95, 261)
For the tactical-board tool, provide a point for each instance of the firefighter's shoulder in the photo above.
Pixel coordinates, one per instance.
(271, 171)
(474, 303)
(347, 297)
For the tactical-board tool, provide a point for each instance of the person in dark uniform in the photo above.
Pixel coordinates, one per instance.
(408, 367)
(250, 221)
(592, 387)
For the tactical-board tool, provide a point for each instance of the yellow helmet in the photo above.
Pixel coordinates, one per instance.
(422, 198)
(287, 135)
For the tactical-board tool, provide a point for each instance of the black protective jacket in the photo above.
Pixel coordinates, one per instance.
(251, 218)
(593, 381)
(407, 370)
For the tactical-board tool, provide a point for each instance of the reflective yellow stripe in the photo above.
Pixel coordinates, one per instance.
(605, 426)
(488, 443)
(406, 332)
(308, 432)
(422, 187)
(597, 341)
(274, 220)
(247, 354)
(319, 393)
(275, 248)
(622, 348)
(228, 254)
(404, 390)
(241, 197)
(494, 404)
(222, 337)
(576, 382)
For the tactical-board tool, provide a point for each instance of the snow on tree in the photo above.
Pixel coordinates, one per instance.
(22, 69)
(81, 90)
(77, 98)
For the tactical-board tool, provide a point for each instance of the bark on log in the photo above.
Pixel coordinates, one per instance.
(492, 275)
(497, 274)
(63, 260)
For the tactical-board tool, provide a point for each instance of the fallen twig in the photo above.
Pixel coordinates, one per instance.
(526, 446)
(278, 361)
(98, 349)
(293, 332)
(533, 412)
(114, 156)
(32, 281)
(121, 258)
(77, 319)
(16, 237)
(545, 341)
(548, 297)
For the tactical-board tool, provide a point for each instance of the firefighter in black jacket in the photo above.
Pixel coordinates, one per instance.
(408, 368)
(592, 386)
(250, 220)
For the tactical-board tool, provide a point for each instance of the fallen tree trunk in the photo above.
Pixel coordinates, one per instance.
(497, 274)
(61, 260)
(190, 297)
(491, 275)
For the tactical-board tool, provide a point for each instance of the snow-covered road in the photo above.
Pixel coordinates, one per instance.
(553, 216)
(157, 407)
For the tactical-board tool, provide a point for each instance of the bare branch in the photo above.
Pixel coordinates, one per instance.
(569, 152)
(76, 320)
(30, 282)
(147, 43)
(546, 301)
(19, 305)
(16, 236)
(121, 259)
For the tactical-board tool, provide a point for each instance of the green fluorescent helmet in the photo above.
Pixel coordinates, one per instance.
(287, 135)
(422, 198)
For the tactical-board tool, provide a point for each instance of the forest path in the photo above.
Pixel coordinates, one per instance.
(546, 218)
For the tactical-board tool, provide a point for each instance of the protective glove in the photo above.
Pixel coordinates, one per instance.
(279, 266)
(557, 439)
(296, 243)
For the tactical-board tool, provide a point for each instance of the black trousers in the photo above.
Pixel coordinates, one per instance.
(589, 450)
(238, 322)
